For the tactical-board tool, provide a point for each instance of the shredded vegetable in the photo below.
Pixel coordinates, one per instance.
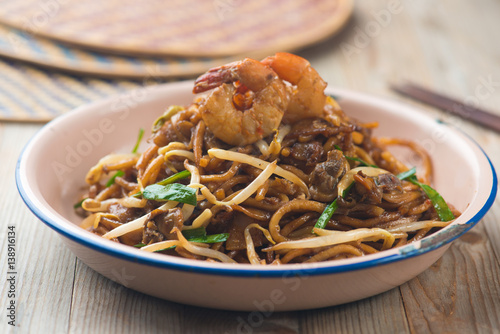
(258, 163)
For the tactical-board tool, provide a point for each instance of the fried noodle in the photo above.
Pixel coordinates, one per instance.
(267, 153)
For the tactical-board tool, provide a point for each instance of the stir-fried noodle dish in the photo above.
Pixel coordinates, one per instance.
(262, 168)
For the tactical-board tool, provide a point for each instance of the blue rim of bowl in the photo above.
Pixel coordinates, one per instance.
(431, 243)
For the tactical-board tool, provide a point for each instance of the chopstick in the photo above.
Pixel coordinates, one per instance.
(473, 114)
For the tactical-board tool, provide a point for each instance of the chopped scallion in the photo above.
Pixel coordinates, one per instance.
(174, 178)
(164, 249)
(172, 110)
(361, 162)
(196, 235)
(79, 204)
(443, 211)
(111, 181)
(327, 214)
(139, 138)
(404, 175)
(211, 239)
(330, 210)
(437, 200)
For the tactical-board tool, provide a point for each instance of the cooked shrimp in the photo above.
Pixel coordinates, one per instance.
(247, 104)
(307, 97)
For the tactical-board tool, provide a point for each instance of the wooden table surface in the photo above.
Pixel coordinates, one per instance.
(449, 46)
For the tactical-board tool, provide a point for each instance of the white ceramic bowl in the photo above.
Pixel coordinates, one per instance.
(50, 177)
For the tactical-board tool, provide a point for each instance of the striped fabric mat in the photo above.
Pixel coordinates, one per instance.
(15, 44)
(30, 94)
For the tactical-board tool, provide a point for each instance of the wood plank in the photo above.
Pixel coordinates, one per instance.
(114, 308)
(197, 320)
(492, 227)
(100, 305)
(383, 313)
(44, 266)
(460, 293)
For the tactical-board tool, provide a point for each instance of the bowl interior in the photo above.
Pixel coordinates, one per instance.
(53, 166)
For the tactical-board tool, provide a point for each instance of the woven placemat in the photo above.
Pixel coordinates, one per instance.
(180, 27)
(16, 44)
(29, 94)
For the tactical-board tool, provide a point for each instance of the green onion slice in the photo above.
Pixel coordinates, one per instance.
(443, 211)
(437, 200)
(174, 178)
(79, 204)
(196, 235)
(171, 111)
(330, 210)
(404, 175)
(164, 249)
(327, 214)
(211, 239)
(111, 181)
(361, 162)
(138, 142)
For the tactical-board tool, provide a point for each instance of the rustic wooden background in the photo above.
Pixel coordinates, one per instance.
(450, 46)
